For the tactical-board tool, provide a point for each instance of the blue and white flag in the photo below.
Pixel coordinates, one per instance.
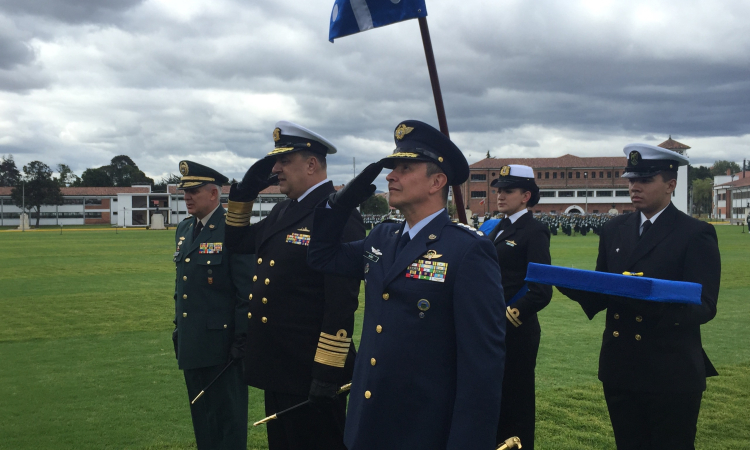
(352, 16)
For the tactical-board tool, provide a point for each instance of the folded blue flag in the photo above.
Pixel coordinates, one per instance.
(352, 16)
(630, 286)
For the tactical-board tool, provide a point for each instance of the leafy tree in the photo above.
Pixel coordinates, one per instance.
(9, 174)
(703, 195)
(124, 172)
(40, 188)
(720, 167)
(97, 177)
(67, 177)
(698, 173)
(376, 205)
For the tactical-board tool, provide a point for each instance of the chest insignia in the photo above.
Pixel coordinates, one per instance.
(617, 250)
(423, 305)
(432, 237)
(427, 270)
(510, 243)
(212, 226)
(304, 230)
(376, 252)
(432, 254)
(298, 239)
(182, 238)
(210, 248)
(372, 257)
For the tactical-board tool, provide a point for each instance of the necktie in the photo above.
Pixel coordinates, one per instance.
(290, 206)
(504, 224)
(197, 229)
(405, 238)
(646, 225)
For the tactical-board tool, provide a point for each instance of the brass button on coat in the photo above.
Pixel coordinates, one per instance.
(184, 296)
(386, 296)
(372, 361)
(208, 262)
(265, 300)
(225, 325)
(264, 320)
(255, 278)
(184, 278)
(616, 334)
(249, 315)
(184, 314)
(616, 316)
(638, 319)
(272, 263)
(368, 394)
(267, 281)
(378, 328)
(250, 297)
(260, 260)
(187, 259)
(637, 337)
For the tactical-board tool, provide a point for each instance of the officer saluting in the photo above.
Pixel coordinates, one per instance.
(300, 321)
(210, 306)
(652, 364)
(429, 370)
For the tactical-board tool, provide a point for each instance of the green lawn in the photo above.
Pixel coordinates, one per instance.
(86, 359)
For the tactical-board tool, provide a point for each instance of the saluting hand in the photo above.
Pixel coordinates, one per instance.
(257, 178)
(358, 190)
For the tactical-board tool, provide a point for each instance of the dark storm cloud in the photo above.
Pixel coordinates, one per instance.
(70, 11)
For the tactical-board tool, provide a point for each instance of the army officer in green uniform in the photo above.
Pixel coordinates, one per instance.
(210, 309)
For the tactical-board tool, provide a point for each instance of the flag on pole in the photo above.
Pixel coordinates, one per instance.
(482, 202)
(352, 16)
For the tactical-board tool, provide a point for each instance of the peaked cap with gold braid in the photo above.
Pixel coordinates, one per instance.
(290, 137)
(195, 175)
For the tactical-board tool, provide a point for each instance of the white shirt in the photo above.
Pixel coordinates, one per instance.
(311, 189)
(652, 219)
(513, 219)
(419, 225)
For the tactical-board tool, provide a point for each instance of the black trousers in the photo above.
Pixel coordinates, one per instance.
(220, 415)
(305, 428)
(647, 421)
(518, 407)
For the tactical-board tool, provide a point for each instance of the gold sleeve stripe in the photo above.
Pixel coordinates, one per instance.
(333, 349)
(341, 337)
(512, 315)
(323, 340)
(329, 358)
(239, 207)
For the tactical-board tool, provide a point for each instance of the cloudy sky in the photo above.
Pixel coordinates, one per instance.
(82, 81)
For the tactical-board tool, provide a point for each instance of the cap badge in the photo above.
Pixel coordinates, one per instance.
(505, 171)
(635, 158)
(402, 131)
(431, 254)
(183, 168)
(277, 134)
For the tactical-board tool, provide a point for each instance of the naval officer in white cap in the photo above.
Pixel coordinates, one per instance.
(300, 321)
(652, 364)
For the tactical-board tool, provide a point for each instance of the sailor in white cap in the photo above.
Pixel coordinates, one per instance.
(652, 364)
(300, 321)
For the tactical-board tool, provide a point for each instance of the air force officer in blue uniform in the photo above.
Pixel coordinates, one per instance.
(433, 338)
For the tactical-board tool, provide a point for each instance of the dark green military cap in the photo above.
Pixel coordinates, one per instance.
(195, 175)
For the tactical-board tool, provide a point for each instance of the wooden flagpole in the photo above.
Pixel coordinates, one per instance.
(430, 56)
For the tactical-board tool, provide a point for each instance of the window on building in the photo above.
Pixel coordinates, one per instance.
(562, 174)
(539, 175)
(93, 201)
(554, 175)
(546, 174)
(478, 177)
(12, 215)
(139, 201)
(617, 174)
(72, 201)
(622, 194)
(70, 215)
(93, 215)
(566, 193)
(570, 174)
(604, 193)
(596, 211)
(593, 174)
(578, 174)
(478, 194)
(493, 174)
(601, 174)
(609, 174)
(583, 193)
(546, 193)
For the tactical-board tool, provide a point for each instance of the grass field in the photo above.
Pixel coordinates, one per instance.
(86, 359)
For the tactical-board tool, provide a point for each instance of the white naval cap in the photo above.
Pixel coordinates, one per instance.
(290, 137)
(645, 160)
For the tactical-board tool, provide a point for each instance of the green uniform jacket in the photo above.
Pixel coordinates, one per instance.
(211, 294)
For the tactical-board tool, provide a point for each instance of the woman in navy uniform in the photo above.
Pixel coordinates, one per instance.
(520, 239)
(430, 362)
